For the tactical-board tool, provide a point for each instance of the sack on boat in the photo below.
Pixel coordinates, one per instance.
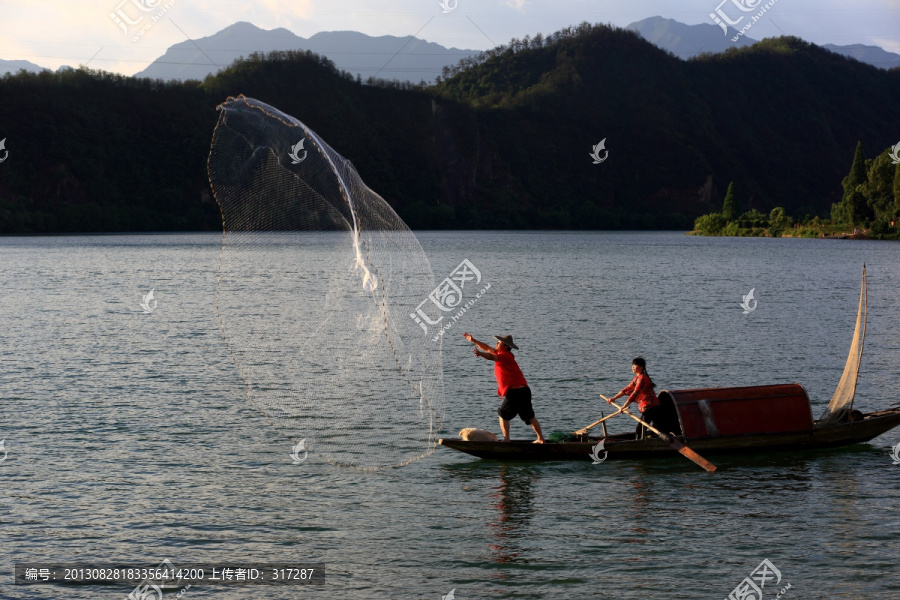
(472, 434)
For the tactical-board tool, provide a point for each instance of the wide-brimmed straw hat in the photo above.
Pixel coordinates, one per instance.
(507, 339)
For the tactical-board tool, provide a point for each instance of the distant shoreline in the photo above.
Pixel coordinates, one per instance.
(863, 235)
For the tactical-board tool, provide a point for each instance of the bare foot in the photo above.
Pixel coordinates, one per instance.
(506, 439)
(538, 441)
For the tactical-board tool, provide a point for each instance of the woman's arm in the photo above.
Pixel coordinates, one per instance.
(635, 388)
(619, 395)
(626, 391)
(642, 385)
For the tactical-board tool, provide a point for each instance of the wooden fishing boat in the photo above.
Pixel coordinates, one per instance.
(626, 446)
(726, 420)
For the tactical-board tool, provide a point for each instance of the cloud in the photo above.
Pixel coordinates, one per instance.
(286, 10)
(888, 44)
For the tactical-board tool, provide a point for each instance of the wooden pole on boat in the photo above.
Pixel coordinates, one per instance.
(682, 449)
(594, 424)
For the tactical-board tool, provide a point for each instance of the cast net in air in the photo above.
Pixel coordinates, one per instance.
(842, 401)
(318, 277)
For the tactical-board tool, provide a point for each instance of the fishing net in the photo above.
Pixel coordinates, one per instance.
(318, 278)
(842, 401)
(562, 437)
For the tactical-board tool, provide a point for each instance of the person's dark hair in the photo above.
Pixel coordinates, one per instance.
(639, 361)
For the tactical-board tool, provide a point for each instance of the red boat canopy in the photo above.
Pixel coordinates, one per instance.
(711, 412)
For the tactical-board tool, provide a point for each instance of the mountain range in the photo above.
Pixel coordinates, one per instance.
(413, 59)
(14, 66)
(688, 41)
(387, 57)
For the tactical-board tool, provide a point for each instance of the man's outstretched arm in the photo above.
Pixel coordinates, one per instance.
(479, 345)
(487, 355)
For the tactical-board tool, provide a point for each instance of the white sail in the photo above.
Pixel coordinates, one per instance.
(842, 401)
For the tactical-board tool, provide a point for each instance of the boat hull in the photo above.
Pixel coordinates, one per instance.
(621, 447)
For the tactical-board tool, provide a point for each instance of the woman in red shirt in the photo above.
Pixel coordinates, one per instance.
(511, 384)
(640, 390)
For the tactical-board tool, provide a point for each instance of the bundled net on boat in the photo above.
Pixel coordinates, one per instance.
(842, 401)
(318, 277)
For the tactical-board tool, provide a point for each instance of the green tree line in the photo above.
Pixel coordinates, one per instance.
(871, 198)
(870, 205)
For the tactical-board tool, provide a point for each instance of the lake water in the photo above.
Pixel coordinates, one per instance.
(128, 437)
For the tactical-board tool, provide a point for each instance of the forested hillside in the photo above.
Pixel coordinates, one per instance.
(502, 141)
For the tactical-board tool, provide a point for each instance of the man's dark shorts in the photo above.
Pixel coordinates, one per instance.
(517, 402)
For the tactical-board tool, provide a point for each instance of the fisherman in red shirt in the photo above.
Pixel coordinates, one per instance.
(640, 390)
(511, 384)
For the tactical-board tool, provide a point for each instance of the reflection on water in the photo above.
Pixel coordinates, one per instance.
(842, 487)
(513, 499)
(640, 502)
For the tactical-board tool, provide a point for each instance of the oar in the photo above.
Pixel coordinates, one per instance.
(682, 449)
(592, 425)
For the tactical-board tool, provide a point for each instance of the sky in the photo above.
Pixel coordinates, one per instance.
(56, 32)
